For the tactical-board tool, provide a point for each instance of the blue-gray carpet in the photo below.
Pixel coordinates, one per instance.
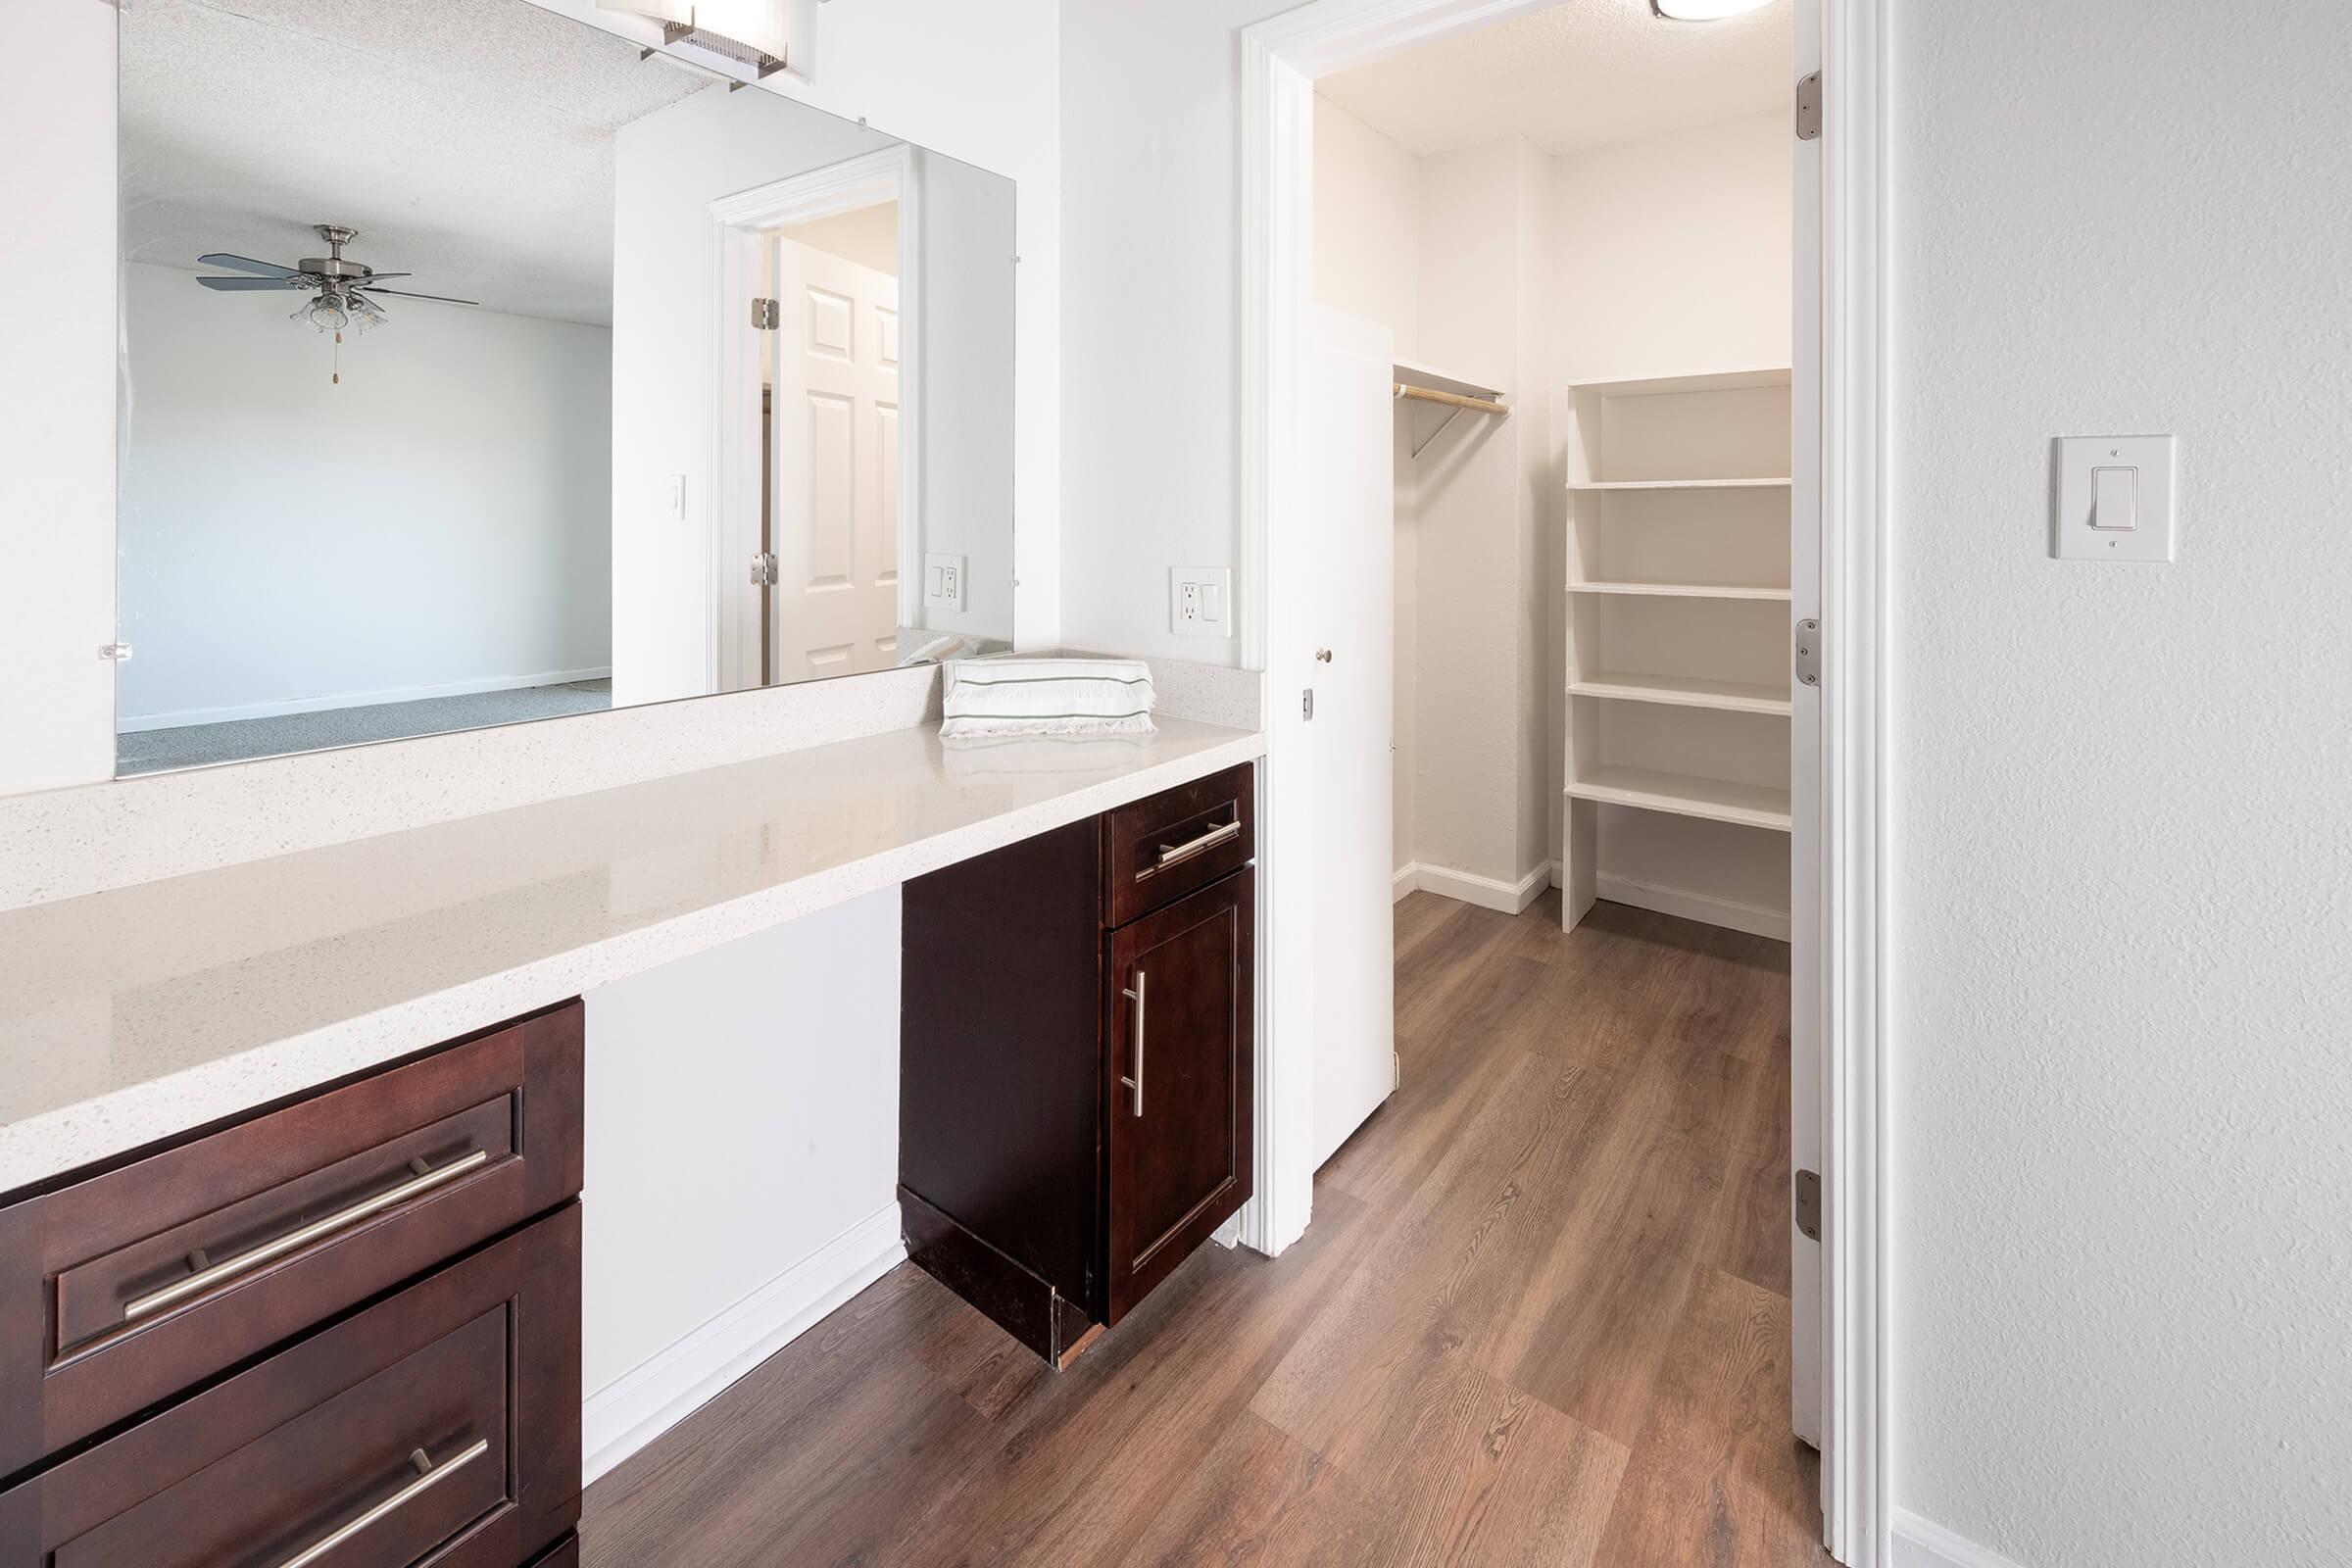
(153, 751)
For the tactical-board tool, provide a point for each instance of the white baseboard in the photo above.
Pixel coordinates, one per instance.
(1923, 1544)
(1406, 880)
(1488, 893)
(1753, 918)
(181, 717)
(635, 1408)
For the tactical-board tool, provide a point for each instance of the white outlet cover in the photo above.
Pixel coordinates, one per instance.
(1201, 601)
(2076, 531)
(946, 580)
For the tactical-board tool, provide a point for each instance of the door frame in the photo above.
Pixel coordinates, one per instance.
(741, 225)
(1281, 58)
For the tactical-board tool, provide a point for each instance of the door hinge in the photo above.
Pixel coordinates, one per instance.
(1808, 108)
(1306, 702)
(1808, 653)
(763, 570)
(1806, 1201)
(766, 315)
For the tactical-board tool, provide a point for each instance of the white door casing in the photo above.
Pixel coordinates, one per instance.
(1348, 433)
(1275, 596)
(835, 608)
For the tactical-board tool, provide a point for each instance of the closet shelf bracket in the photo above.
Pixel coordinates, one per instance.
(1457, 402)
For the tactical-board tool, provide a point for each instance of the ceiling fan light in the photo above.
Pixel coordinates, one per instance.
(1703, 10)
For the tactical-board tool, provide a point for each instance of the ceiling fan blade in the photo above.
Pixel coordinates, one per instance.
(371, 280)
(246, 264)
(235, 285)
(405, 294)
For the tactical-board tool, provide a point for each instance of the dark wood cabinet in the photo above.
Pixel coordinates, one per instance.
(1179, 1118)
(1076, 1059)
(122, 1288)
(200, 1363)
(439, 1427)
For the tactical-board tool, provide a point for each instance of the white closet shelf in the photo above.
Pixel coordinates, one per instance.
(1679, 484)
(1684, 794)
(1732, 380)
(1684, 691)
(1685, 590)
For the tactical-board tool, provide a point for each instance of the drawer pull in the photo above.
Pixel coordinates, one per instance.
(1136, 1083)
(1178, 854)
(428, 1476)
(228, 1268)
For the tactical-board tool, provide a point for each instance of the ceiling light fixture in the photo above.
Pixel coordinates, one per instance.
(757, 34)
(1703, 10)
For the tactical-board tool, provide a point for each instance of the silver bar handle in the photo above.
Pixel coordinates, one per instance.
(428, 1476)
(204, 1279)
(1178, 854)
(1136, 1083)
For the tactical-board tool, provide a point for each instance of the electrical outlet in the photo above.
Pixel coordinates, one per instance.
(945, 579)
(1201, 601)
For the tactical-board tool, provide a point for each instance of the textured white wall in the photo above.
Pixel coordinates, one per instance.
(2123, 878)
(1673, 252)
(438, 520)
(1368, 263)
(1150, 256)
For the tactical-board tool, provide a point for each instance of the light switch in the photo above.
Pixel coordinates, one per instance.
(1201, 601)
(2112, 497)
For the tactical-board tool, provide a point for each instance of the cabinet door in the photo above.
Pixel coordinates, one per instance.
(1178, 1080)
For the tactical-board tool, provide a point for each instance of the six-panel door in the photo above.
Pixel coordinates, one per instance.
(1176, 1079)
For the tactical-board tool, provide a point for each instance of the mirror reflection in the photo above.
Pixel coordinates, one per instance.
(483, 372)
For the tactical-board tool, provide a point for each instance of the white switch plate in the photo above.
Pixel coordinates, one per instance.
(2136, 467)
(946, 580)
(1201, 601)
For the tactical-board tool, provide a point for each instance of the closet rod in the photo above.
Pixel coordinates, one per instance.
(1452, 400)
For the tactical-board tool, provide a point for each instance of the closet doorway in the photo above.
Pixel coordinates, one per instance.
(1602, 305)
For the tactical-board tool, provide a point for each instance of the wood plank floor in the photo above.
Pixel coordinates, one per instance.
(1541, 1317)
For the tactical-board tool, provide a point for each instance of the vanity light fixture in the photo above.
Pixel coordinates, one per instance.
(751, 32)
(1703, 10)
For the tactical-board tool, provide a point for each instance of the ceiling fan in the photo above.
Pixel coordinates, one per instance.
(342, 291)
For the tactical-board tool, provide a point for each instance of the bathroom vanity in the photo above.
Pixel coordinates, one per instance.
(276, 1284)
(1075, 1059)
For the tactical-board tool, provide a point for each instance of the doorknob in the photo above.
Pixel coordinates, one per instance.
(1323, 655)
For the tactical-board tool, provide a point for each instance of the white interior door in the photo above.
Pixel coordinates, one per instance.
(835, 603)
(1808, 937)
(1348, 429)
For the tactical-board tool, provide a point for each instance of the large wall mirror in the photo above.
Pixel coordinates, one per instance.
(480, 368)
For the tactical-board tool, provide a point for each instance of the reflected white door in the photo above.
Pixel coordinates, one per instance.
(836, 599)
(1347, 428)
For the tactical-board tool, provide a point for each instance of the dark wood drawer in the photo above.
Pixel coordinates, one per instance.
(126, 1288)
(477, 1368)
(1156, 850)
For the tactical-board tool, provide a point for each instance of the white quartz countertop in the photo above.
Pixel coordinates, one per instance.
(135, 1014)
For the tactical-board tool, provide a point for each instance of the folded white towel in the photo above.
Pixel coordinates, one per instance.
(1046, 697)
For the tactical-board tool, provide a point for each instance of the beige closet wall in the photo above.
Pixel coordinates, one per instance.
(1368, 264)
(1670, 255)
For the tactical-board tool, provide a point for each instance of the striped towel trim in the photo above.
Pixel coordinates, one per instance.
(1046, 697)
